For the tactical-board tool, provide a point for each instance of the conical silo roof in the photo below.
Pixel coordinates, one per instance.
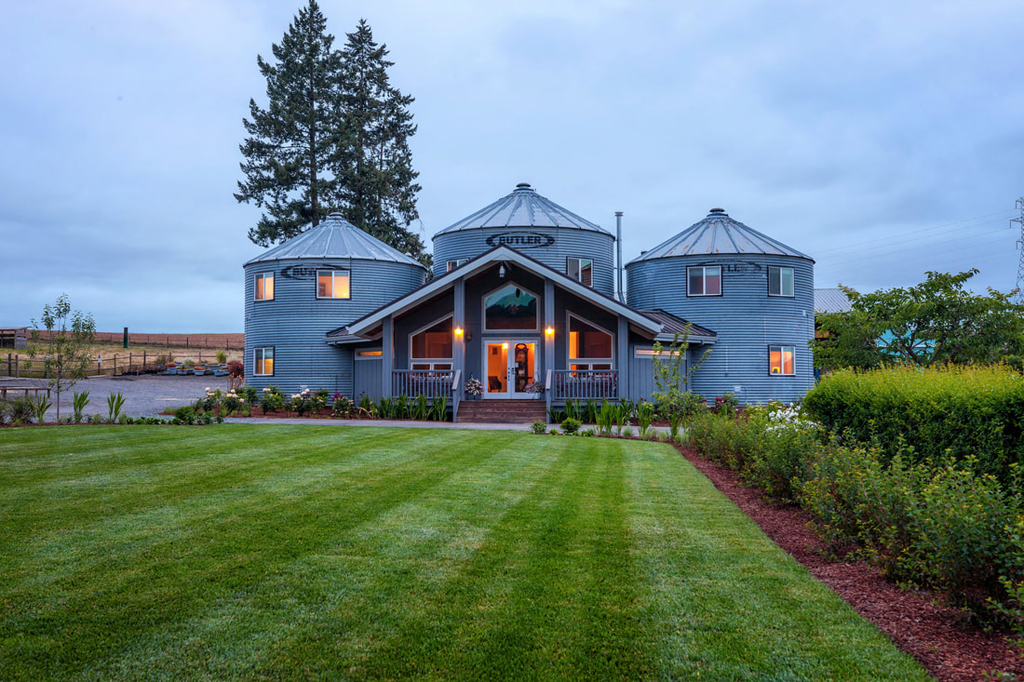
(719, 234)
(523, 208)
(335, 237)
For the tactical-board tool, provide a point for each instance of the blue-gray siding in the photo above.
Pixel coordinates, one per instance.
(746, 320)
(470, 243)
(295, 322)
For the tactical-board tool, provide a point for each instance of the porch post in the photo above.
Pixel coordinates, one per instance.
(549, 323)
(387, 344)
(622, 363)
(459, 340)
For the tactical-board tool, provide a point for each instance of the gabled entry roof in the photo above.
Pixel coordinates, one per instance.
(638, 320)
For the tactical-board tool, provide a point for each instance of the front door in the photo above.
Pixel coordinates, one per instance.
(509, 367)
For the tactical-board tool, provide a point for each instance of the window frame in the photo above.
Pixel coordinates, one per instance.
(782, 360)
(584, 364)
(483, 310)
(458, 263)
(431, 363)
(792, 281)
(256, 364)
(579, 269)
(704, 280)
(256, 287)
(334, 274)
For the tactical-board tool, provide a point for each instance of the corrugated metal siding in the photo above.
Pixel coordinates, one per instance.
(367, 377)
(745, 318)
(470, 243)
(295, 322)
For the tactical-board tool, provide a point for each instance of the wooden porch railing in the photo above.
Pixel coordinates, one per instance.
(583, 384)
(417, 382)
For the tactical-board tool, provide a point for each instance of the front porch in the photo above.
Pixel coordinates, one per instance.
(559, 385)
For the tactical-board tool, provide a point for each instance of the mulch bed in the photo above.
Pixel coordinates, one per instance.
(941, 638)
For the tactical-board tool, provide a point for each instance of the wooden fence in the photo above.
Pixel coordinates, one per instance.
(127, 363)
(197, 341)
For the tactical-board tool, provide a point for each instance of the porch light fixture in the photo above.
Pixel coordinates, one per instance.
(501, 271)
(550, 331)
(458, 331)
(504, 346)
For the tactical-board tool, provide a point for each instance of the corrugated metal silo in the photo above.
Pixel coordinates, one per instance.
(540, 228)
(303, 288)
(755, 292)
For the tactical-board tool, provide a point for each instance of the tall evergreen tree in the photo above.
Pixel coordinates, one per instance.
(291, 141)
(376, 182)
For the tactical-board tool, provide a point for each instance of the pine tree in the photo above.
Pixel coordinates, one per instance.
(376, 182)
(291, 141)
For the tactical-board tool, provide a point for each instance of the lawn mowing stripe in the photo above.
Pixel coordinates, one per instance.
(729, 604)
(227, 543)
(347, 594)
(540, 598)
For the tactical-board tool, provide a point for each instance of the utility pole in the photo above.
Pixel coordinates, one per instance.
(1020, 245)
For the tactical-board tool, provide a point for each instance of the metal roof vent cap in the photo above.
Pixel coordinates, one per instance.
(524, 185)
(719, 210)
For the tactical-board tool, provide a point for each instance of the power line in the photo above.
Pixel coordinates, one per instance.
(872, 242)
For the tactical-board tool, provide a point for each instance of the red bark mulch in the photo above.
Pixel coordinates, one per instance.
(939, 637)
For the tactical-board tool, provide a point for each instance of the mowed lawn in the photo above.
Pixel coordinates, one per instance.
(331, 552)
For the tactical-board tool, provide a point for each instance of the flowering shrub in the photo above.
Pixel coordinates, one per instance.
(343, 407)
(302, 402)
(273, 400)
(474, 386)
(534, 387)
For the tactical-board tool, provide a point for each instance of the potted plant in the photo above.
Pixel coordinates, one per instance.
(474, 388)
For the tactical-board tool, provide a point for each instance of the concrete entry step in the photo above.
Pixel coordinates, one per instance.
(501, 411)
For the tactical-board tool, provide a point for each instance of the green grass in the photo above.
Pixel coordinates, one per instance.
(306, 552)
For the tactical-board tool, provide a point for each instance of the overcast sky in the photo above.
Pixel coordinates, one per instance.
(883, 138)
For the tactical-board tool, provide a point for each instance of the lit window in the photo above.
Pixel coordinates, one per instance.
(265, 286)
(510, 307)
(780, 281)
(431, 347)
(263, 362)
(780, 360)
(373, 353)
(589, 346)
(332, 284)
(452, 264)
(581, 270)
(704, 281)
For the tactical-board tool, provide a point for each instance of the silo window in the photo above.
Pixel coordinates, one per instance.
(704, 280)
(452, 264)
(265, 286)
(780, 282)
(780, 360)
(263, 362)
(332, 284)
(581, 270)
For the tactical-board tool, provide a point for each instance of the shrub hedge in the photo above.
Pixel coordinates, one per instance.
(948, 526)
(945, 415)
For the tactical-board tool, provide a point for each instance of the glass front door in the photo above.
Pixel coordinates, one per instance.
(509, 367)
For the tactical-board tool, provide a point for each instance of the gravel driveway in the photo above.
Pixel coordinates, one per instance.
(146, 396)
